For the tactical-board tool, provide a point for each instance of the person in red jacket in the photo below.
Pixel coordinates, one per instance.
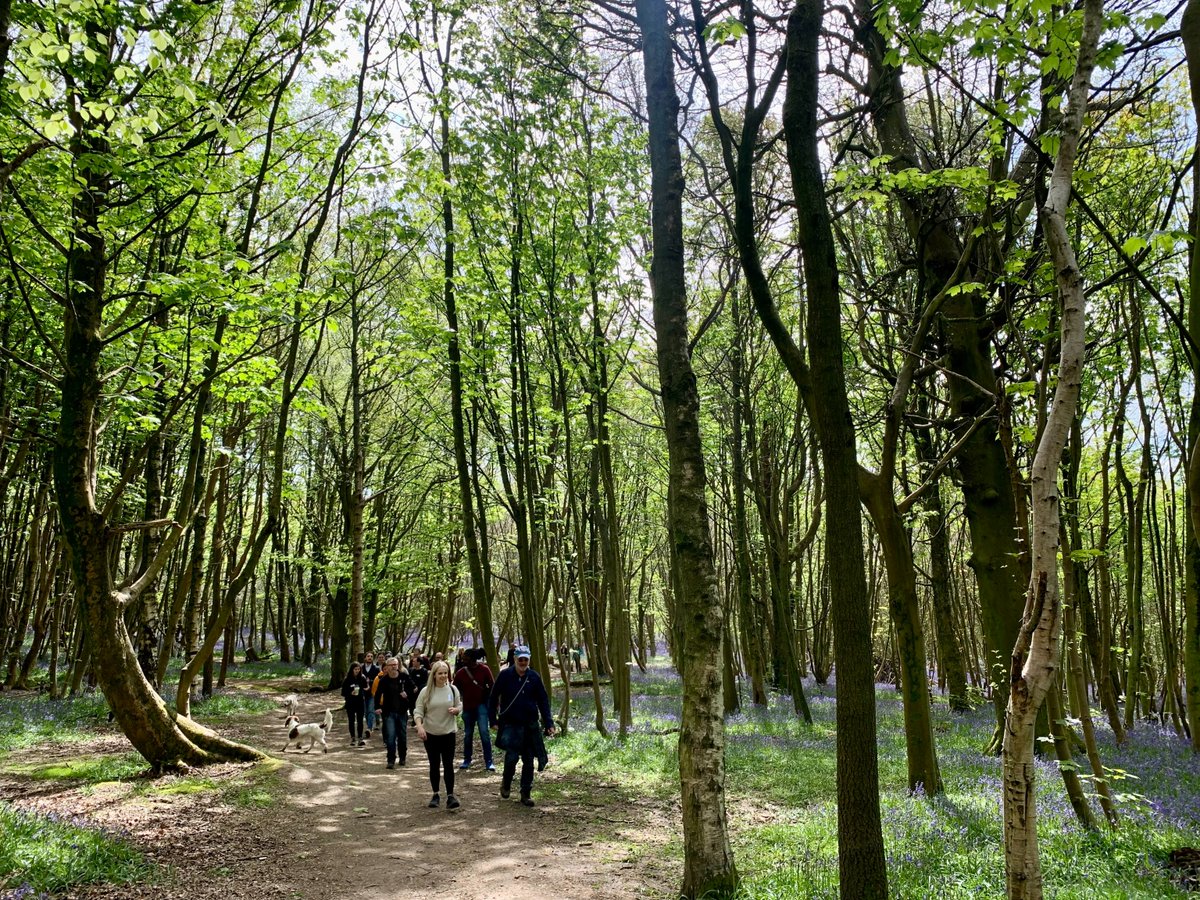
(474, 681)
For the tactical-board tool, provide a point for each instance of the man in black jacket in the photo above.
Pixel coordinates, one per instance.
(394, 697)
(517, 700)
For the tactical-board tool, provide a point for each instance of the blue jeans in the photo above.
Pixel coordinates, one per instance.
(370, 713)
(395, 732)
(470, 717)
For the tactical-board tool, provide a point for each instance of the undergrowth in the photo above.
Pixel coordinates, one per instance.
(48, 853)
(781, 789)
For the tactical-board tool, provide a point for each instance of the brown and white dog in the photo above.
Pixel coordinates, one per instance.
(312, 731)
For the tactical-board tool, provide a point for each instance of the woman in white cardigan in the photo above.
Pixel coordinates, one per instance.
(438, 706)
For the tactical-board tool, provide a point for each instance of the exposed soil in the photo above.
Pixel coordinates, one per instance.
(350, 828)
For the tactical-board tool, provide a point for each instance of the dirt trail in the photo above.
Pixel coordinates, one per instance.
(359, 830)
(349, 828)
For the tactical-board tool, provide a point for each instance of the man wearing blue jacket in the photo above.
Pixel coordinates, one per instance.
(517, 700)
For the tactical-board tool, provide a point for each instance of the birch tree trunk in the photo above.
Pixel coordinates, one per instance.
(1035, 656)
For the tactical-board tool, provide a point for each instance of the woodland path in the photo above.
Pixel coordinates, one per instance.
(362, 831)
(347, 828)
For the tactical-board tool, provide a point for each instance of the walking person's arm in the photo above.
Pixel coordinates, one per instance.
(543, 702)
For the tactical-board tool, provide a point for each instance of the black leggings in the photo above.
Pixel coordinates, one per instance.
(354, 717)
(440, 748)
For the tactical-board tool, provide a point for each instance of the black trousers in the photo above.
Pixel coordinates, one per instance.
(355, 716)
(440, 748)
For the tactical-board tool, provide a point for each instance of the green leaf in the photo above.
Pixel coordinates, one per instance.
(1134, 245)
(726, 30)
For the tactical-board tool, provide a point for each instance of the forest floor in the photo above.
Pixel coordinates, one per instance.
(341, 825)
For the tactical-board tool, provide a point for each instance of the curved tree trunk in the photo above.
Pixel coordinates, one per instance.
(1035, 655)
(164, 739)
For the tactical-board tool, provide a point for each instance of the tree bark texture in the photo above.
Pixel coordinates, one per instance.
(1190, 31)
(708, 858)
(860, 836)
(1035, 655)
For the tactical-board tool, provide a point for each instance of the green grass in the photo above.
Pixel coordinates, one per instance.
(89, 770)
(781, 789)
(273, 669)
(40, 853)
(223, 705)
(27, 720)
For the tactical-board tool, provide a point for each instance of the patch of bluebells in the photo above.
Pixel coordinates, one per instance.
(24, 892)
(24, 715)
(1157, 765)
(1164, 771)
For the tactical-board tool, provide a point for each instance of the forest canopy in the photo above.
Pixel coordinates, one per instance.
(809, 343)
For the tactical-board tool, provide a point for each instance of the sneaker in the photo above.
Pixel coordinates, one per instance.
(466, 764)
(491, 768)
(505, 790)
(368, 734)
(402, 762)
(527, 801)
(434, 801)
(452, 802)
(391, 765)
(362, 743)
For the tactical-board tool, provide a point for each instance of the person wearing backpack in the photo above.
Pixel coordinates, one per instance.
(474, 681)
(438, 706)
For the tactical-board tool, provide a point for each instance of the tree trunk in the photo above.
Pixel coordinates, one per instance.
(1035, 654)
(754, 631)
(860, 835)
(708, 865)
(1190, 31)
(164, 739)
(905, 611)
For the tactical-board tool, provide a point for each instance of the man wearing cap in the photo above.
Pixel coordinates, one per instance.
(517, 700)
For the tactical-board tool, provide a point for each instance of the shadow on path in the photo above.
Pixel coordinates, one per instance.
(359, 830)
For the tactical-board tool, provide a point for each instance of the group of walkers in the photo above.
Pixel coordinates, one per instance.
(514, 703)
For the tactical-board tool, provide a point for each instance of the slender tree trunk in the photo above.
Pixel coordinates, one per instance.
(860, 834)
(708, 865)
(1035, 655)
(754, 629)
(1190, 31)
(905, 612)
(479, 587)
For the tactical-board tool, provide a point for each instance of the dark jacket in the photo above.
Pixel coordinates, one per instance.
(387, 694)
(420, 677)
(371, 672)
(519, 701)
(474, 683)
(364, 689)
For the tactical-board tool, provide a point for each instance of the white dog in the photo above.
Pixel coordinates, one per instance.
(314, 732)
